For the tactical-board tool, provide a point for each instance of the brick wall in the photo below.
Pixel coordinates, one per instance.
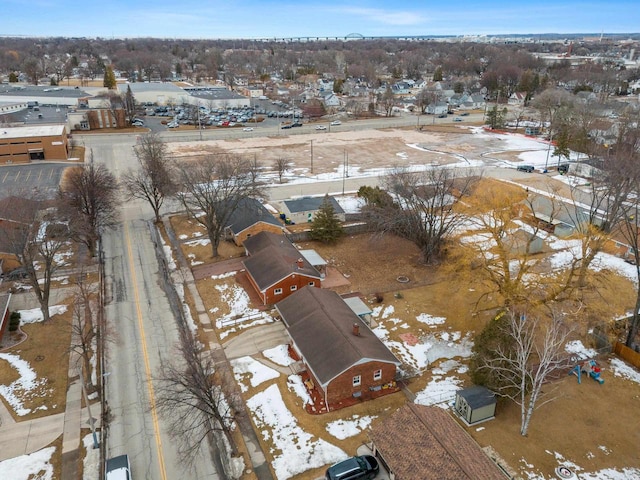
(296, 280)
(254, 230)
(342, 388)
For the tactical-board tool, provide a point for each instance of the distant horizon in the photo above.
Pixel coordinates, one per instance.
(349, 36)
(272, 19)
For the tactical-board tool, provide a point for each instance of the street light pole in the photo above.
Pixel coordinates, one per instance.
(546, 162)
(312, 156)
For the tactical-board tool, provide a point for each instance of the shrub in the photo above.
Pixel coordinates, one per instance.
(14, 321)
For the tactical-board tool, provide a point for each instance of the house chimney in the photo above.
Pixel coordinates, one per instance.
(356, 329)
(300, 263)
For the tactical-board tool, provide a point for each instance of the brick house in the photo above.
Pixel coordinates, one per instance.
(275, 268)
(345, 360)
(417, 442)
(250, 218)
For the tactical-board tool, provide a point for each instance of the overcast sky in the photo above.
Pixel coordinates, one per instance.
(291, 18)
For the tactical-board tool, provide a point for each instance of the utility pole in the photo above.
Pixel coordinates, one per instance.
(91, 419)
(312, 156)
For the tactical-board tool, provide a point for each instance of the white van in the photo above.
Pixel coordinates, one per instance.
(118, 468)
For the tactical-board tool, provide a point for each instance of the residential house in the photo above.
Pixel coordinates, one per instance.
(437, 108)
(276, 268)
(302, 210)
(249, 218)
(332, 100)
(345, 360)
(475, 404)
(417, 442)
(325, 86)
(517, 98)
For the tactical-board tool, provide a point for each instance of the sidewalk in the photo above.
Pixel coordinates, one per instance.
(25, 437)
(184, 275)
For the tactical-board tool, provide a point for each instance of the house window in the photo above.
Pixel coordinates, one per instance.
(311, 284)
(294, 288)
(377, 375)
(277, 291)
(356, 381)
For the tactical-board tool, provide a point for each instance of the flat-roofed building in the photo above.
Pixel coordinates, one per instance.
(29, 143)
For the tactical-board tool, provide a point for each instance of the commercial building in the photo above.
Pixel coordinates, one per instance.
(29, 143)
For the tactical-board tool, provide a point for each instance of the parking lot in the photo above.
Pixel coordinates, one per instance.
(40, 178)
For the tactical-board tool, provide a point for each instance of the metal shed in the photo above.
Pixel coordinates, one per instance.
(475, 404)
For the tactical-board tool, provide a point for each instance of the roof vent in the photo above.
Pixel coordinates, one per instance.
(356, 329)
(300, 263)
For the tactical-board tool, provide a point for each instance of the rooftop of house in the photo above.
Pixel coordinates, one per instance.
(306, 204)
(419, 442)
(249, 212)
(322, 325)
(272, 258)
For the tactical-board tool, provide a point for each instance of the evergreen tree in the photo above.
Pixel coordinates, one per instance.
(495, 117)
(13, 78)
(109, 78)
(326, 226)
(437, 75)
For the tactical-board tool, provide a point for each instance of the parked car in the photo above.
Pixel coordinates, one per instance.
(137, 123)
(19, 273)
(118, 468)
(354, 468)
(526, 168)
(321, 127)
(335, 122)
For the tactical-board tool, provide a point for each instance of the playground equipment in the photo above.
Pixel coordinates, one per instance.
(590, 367)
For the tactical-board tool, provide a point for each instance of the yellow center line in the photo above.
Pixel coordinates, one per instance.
(147, 367)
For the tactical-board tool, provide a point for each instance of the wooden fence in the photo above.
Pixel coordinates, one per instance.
(627, 354)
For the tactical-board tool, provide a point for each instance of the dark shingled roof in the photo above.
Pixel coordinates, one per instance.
(273, 257)
(249, 212)
(477, 396)
(321, 325)
(419, 442)
(307, 204)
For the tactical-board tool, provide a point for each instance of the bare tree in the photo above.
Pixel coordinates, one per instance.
(424, 207)
(36, 240)
(83, 331)
(89, 196)
(387, 100)
(281, 165)
(212, 189)
(523, 365)
(195, 399)
(153, 181)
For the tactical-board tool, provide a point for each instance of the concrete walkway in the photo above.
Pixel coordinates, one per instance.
(184, 275)
(24, 437)
(256, 340)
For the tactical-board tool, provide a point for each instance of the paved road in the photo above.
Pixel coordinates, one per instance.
(144, 331)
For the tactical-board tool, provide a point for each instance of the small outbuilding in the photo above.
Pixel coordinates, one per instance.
(475, 404)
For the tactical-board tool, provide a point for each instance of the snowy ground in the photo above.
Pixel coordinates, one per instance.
(444, 351)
